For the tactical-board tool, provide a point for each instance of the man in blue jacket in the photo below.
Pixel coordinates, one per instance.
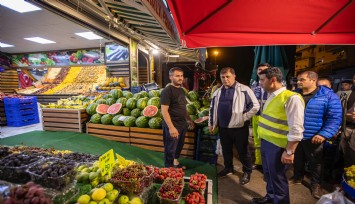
(322, 119)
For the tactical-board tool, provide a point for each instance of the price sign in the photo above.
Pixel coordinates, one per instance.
(106, 162)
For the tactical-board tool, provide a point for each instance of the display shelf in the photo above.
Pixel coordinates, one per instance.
(9, 81)
(71, 120)
(109, 132)
(152, 139)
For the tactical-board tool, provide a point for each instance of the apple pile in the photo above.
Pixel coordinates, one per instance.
(171, 190)
(160, 174)
(195, 198)
(27, 193)
(198, 182)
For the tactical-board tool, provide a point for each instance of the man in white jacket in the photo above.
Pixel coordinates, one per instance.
(232, 106)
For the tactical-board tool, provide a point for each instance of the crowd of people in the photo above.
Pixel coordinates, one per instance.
(290, 127)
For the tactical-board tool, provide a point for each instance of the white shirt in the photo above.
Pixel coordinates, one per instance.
(294, 112)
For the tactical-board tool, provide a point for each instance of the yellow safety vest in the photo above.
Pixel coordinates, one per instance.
(273, 126)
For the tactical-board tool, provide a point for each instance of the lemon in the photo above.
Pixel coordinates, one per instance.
(93, 175)
(84, 199)
(98, 194)
(123, 199)
(108, 187)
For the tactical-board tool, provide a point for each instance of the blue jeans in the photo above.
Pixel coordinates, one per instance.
(172, 146)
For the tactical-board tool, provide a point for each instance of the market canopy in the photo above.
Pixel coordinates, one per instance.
(211, 23)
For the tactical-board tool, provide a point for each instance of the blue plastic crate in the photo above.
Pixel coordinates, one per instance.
(21, 123)
(21, 112)
(10, 101)
(135, 89)
(20, 106)
(16, 117)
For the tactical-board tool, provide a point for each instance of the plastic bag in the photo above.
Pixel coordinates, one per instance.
(219, 148)
(337, 197)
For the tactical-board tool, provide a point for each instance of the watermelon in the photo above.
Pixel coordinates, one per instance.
(144, 94)
(185, 90)
(110, 101)
(102, 108)
(116, 120)
(201, 121)
(129, 121)
(91, 109)
(206, 131)
(155, 123)
(191, 109)
(155, 101)
(192, 95)
(127, 94)
(106, 119)
(193, 117)
(197, 104)
(114, 108)
(116, 93)
(122, 101)
(126, 112)
(136, 112)
(142, 122)
(205, 112)
(106, 96)
(96, 118)
(150, 111)
(142, 103)
(205, 102)
(137, 96)
(153, 93)
(159, 114)
(204, 108)
(131, 103)
(101, 101)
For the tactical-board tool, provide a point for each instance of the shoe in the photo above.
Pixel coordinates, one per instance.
(225, 172)
(316, 191)
(257, 167)
(245, 178)
(262, 200)
(297, 181)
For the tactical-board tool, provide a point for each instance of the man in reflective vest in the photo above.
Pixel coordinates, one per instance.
(280, 129)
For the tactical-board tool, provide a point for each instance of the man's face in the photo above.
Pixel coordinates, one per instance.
(228, 79)
(346, 86)
(304, 82)
(324, 83)
(265, 83)
(261, 68)
(177, 78)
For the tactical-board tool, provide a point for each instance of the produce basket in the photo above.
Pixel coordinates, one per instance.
(171, 186)
(17, 173)
(43, 173)
(349, 190)
(63, 197)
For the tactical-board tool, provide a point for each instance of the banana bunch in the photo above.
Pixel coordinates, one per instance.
(68, 103)
(122, 163)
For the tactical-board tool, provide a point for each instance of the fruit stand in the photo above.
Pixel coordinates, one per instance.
(109, 132)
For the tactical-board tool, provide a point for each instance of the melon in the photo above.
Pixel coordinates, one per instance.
(142, 122)
(197, 104)
(137, 96)
(116, 93)
(126, 112)
(131, 103)
(185, 90)
(153, 93)
(102, 108)
(193, 117)
(107, 119)
(91, 109)
(155, 101)
(193, 95)
(110, 101)
(136, 112)
(150, 111)
(127, 94)
(114, 108)
(106, 96)
(142, 103)
(116, 120)
(96, 118)
(122, 101)
(191, 109)
(201, 121)
(155, 123)
(101, 101)
(203, 113)
(206, 131)
(144, 94)
(129, 121)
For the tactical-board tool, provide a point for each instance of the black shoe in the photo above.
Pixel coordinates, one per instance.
(257, 167)
(225, 172)
(262, 200)
(316, 191)
(245, 178)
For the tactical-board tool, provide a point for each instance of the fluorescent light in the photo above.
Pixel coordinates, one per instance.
(5, 45)
(89, 35)
(19, 5)
(173, 55)
(155, 51)
(39, 40)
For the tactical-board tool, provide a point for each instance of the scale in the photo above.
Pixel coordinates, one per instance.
(150, 86)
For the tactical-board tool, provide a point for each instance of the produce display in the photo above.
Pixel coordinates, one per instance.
(350, 175)
(74, 102)
(171, 190)
(112, 83)
(28, 193)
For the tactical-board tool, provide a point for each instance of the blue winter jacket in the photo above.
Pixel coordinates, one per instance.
(323, 114)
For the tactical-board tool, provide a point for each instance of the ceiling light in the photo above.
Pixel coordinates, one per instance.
(5, 45)
(19, 5)
(155, 51)
(89, 35)
(173, 55)
(39, 40)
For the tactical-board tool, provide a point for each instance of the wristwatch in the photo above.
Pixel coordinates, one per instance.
(289, 152)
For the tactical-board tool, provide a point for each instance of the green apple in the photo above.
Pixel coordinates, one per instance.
(108, 187)
(105, 201)
(110, 196)
(123, 199)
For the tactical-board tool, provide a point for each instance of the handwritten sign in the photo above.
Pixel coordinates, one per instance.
(106, 162)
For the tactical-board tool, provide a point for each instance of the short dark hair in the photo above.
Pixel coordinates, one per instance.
(347, 81)
(310, 74)
(272, 72)
(227, 69)
(264, 65)
(172, 70)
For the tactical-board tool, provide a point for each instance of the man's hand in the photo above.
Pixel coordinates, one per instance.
(174, 132)
(317, 139)
(287, 159)
(350, 117)
(210, 128)
(191, 124)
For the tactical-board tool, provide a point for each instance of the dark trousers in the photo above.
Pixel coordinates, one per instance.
(274, 173)
(172, 146)
(239, 137)
(313, 153)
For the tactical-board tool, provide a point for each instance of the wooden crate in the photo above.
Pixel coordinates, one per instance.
(152, 139)
(109, 132)
(71, 120)
(9, 81)
(2, 114)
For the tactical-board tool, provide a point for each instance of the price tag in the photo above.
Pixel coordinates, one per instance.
(106, 162)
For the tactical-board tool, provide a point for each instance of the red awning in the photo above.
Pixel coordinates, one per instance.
(221, 23)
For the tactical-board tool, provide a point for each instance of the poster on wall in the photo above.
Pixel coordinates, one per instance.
(134, 62)
(59, 58)
(116, 54)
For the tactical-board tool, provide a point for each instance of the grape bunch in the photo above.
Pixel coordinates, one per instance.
(53, 169)
(27, 193)
(171, 189)
(195, 198)
(17, 160)
(78, 157)
(350, 175)
(4, 151)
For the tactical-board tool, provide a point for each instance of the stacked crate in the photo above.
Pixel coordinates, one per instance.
(9, 80)
(21, 111)
(2, 114)
(206, 147)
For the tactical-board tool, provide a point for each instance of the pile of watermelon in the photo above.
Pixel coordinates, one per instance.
(122, 108)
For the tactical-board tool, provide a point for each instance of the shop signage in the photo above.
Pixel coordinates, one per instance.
(59, 58)
(162, 15)
(106, 162)
(116, 54)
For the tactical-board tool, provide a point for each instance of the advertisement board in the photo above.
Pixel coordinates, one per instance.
(116, 54)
